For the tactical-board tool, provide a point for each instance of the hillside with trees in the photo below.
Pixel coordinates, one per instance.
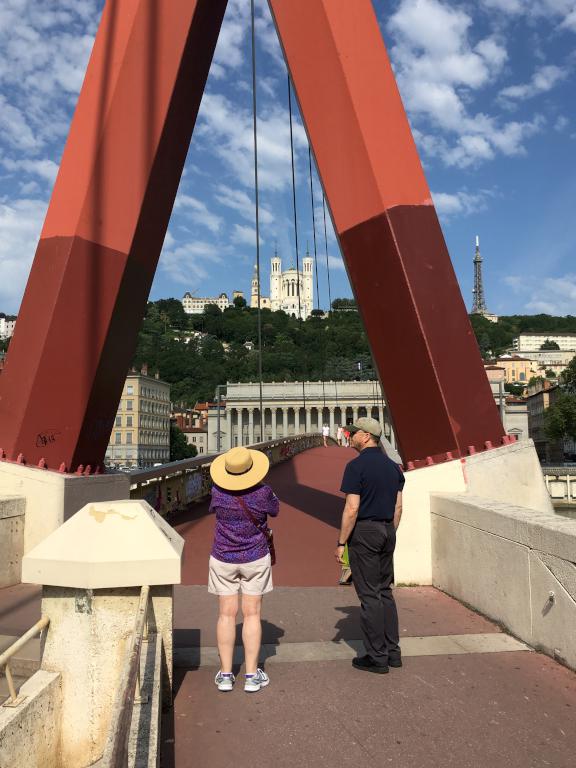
(195, 353)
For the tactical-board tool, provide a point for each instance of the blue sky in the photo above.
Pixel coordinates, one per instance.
(489, 88)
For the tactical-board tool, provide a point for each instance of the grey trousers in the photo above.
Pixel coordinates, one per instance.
(371, 551)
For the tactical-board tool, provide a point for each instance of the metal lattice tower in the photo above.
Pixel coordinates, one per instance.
(478, 302)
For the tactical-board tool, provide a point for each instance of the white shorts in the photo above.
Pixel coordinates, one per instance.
(253, 578)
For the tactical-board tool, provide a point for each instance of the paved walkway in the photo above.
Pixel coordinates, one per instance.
(468, 695)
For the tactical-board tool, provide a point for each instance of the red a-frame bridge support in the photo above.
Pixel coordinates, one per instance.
(113, 197)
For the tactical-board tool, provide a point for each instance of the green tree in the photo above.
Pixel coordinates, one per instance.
(550, 374)
(239, 302)
(569, 376)
(179, 448)
(560, 418)
(514, 389)
(550, 345)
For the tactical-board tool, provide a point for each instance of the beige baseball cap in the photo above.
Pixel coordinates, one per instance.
(366, 424)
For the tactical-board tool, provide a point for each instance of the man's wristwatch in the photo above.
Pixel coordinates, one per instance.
(341, 545)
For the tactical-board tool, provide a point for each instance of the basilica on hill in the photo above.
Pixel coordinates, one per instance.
(284, 288)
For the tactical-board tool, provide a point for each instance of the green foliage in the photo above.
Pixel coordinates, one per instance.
(211, 351)
(560, 418)
(240, 302)
(179, 448)
(550, 345)
(514, 389)
(569, 376)
(550, 374)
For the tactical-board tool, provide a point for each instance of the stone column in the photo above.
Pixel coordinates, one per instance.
(231, 426)
(355, 413)
(285, 422)
(332, 434)
(88, 569)
(250, 426)
(274, 428)
(308, 420)
(381, 416)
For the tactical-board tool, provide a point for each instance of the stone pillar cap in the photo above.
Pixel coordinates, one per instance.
(106, 545)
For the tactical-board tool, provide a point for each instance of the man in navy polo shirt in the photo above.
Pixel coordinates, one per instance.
(373, 486)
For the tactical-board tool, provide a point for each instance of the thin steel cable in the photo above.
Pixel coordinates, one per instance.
(326, 248)
(314, 227)
(257, 206)
(296, 232)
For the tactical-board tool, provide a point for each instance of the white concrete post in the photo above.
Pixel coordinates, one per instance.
(381, 416)
(284, 422)
(308, 420)
(274, 426)
(92, 569)
(355, 413)
(250, 426)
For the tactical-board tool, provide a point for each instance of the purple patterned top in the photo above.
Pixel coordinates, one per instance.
(236, 538)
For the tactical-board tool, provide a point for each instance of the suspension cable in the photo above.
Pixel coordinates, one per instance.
(314, 226)
(296, 232)
(257, 206)
(326, 248)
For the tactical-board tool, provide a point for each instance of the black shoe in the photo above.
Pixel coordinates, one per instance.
(395, 662)
(366, 664)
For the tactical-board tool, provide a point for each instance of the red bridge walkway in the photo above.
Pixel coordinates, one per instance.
(468, 696)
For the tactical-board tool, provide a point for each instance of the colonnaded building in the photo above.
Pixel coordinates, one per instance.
(293, 408)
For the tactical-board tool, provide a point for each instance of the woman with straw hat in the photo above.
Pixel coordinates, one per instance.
(240, 560)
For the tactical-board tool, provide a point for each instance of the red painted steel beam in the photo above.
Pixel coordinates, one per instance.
(399, 267)
(78, 324)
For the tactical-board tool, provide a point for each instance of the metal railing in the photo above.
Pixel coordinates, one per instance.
(171, 488)
(15, 700)
(116, 750)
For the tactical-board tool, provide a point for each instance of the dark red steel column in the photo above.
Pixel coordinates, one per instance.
(399, 267)
(78, 324)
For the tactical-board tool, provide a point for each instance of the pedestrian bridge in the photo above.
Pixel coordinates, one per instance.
(473, 690)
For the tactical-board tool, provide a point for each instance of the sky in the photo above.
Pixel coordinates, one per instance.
(489, 90)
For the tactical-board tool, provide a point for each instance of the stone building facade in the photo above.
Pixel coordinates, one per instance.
(285, 286)
(141, 434)
(293, 408)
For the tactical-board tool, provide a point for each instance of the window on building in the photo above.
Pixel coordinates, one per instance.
(129, 389)
(129, 438)
(118, 421)
(200, 450)
(193, 439)
(118, 438)
(129, 405)
(128, 421)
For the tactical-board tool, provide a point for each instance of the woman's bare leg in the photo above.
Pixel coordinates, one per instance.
(226, 630)
(251, 631)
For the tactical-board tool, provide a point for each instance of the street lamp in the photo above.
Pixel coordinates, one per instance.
(218, 434)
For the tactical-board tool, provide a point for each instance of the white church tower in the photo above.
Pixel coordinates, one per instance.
(275, 282)
(308, 285)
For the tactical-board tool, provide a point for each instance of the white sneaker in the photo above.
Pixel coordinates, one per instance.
(255, 682)
(225, 682)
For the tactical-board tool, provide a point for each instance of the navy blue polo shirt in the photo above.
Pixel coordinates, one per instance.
(377, 480)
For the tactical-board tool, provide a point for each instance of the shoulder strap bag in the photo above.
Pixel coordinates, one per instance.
(265, 530)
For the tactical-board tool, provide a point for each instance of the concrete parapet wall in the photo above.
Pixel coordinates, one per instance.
(30, 733)
(515, 565)
(12, 511)
(51, 497)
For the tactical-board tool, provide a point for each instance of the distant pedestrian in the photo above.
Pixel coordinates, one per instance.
(346, 437)
(373, 486)
(325, 434)
(240, 560)
(339, 435)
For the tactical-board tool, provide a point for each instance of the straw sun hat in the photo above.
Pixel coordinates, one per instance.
(239, 468)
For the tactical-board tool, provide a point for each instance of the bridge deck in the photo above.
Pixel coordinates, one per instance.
(468, 695)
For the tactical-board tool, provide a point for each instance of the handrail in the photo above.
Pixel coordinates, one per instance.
(5, 657)
(116, 750)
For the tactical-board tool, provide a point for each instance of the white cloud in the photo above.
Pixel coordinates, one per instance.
(20, 225)
(188, 264)
(198, 212)
(243, 235)
(463, 203)
(243, 204)
(551, 295)
(543, 80)
(229, 129)
(439, 68)
(562, 11)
